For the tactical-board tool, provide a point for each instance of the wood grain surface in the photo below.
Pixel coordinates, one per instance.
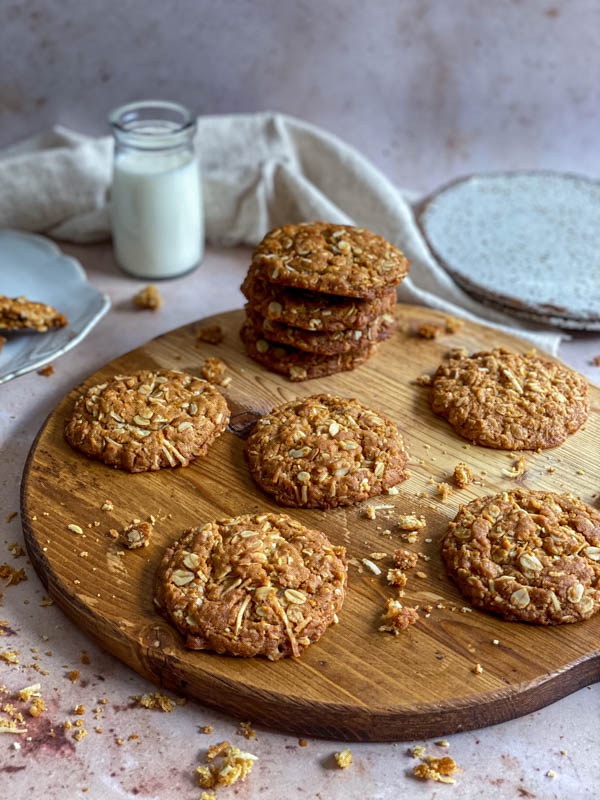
(356, 683)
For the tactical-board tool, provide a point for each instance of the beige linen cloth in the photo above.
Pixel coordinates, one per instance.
(259, 171)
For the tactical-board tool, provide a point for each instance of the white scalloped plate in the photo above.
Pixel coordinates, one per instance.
(34, 267)
(529, 241)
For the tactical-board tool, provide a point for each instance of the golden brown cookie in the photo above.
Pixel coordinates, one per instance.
(314, 311)
(336, 259)
(509, 401)
(324, 451)
(326, 343)
(18, 313)
(253, 585)
(147, 420)
(298, 365)
(528, 556)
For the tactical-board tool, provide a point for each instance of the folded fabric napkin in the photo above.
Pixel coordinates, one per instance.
(260, 171)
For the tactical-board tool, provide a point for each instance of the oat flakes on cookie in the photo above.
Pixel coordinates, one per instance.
(324, 451)
(252, 585)
(298, 365)
(325, 343)
(509, 401)
(19, 313)
(336, 259)
(147, 420)
(527, 556)
(314, 311)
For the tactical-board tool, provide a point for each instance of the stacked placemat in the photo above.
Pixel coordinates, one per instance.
(320, 297)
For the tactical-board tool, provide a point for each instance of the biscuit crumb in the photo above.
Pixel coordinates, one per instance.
(211, 334)
(444, 490)
(410, 522)
(551, 774)
(207, 729)
(137, 534)
(442, 743)
(370, 512)
(28, 692)
(454, 324)
(247, 730)
(417, 751)
(397, 618)
(213, 370)
(15, 548)
(37, 706)
(428, 330)
(148, 298)
(397, 578)
(47, 370)
(11, 575)
(74, 675)
(343, 758)
(302, 742)
(463, 476)
(423, 380)
(477, 669)
(596, 361)
(155, 700)
(436, 769)
(107, 506)
(235, 765)
(405, 559)
(517, 469)
(370, 565)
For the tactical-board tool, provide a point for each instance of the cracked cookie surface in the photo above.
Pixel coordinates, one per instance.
(510, 401)
(324, 257)
(252, 585)
(147, 420)
(527, 555)
(324, 451)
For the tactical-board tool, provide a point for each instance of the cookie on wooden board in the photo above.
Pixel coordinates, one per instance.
(147, 420)
(314, 311)
(509, 401)
(252, 585)
(336, 259)
(324, 451)
(326, 343)
(527, 555)
(19, 313)
(298, 365)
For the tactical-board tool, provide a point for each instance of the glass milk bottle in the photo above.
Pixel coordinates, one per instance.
(156, 197)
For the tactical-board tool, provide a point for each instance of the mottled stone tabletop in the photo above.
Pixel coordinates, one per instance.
(131, 751)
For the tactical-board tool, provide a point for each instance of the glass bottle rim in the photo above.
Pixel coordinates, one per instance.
(152, 124)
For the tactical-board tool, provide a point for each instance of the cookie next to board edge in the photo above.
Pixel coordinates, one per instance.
(509, 401)
(147, 420)
(336, 259)
(324, 451)
(528, 556)
(252, 585)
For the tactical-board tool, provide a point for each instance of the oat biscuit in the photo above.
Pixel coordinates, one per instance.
(324, 451)
(253, 585)
(528, 556)
(314, 311)
(509, 401)
(19, 313)
(298, 365)
(147, 420)
(325, 343)
(323, 257)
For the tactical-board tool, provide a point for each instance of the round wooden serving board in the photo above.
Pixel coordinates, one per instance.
(356, 683)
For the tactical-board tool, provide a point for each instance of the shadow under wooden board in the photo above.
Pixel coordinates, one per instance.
(356, 683)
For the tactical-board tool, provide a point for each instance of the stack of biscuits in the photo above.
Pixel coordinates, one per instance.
(320, 298)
